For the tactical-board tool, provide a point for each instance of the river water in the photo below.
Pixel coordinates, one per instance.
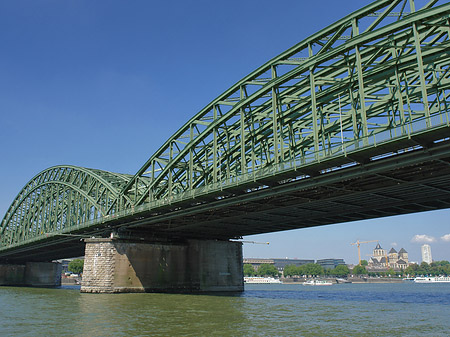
(403, 309)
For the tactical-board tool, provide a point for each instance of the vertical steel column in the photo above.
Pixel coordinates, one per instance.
(228, 155)
(361, 91)
(215, 149)
(281, 126)
(435, 72)
(25, 214)
(412, 6)
(242, 126)
(442, 71)
(312, 89)
(252, 136)
(399, 92)
(274, 118)
(44, 215)
(421, 75)
(152, 196)
(68, 208)
(170, 170)
(22, 225)
(191, 158)
(136, 189)
(53, 206)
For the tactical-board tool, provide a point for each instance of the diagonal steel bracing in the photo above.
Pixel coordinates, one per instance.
(292, 143)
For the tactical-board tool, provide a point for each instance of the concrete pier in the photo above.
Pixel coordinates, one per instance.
(32, 274)
(115, 265)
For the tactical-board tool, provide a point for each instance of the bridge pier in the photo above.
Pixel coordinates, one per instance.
(31, 274)
(117, 265)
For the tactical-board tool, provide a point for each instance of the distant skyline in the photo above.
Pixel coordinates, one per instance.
(103, 84)
(334, 241)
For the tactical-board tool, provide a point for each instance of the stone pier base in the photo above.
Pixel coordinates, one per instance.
(114, 266)
(33, 274)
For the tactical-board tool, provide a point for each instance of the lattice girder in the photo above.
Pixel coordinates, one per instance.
(60, 198)
(381, 80)
(377, 75)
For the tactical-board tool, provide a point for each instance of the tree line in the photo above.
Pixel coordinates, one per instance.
(310, 269)
(263, 270)
(435, 268)
(313, 269)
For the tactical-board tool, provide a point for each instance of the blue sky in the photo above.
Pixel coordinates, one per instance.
(102, 84)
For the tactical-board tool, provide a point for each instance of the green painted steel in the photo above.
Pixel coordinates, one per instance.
(377, 76)
(353, 84)
(58, 199)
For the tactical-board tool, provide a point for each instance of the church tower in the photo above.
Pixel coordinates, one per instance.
(403, 255)
(393, 256)
(379, 253)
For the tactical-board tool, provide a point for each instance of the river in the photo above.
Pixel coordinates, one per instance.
(402, 309)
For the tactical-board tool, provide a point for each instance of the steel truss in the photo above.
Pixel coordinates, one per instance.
(377, 76)
(59, 198)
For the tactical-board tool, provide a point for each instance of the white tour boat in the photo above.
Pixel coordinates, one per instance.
(318, 283)
(432, 279)
(260, 280)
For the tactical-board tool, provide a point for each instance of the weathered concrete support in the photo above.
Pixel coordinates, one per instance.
(12, 274)
(114, 265)
(33, 274)
(43, 274)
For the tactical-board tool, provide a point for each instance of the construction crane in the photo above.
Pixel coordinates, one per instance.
(358, 243)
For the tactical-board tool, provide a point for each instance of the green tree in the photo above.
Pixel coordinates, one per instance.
(364, 263)
(301, 270)
(249, 270)
(391, 272)
(76, 266)
(359, 270)
(424, 268)
(340, 271)
(313, 269)
(291, 270)
(412, 270)
(439, 268)
(267, 270)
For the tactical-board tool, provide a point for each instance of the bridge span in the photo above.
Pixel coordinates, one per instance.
(351, 123)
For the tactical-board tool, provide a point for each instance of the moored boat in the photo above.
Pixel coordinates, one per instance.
(261, 280)
(342, 280)
(318, 283)
(432, 279)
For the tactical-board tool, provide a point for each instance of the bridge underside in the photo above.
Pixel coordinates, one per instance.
(403, 177)
(394, 181)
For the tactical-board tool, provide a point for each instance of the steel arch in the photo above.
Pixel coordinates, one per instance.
(379, 75)
(376, 75)
(60, 198)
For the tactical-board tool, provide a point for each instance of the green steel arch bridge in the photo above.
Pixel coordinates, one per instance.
(351, 123)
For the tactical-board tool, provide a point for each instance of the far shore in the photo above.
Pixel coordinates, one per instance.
(355, 279)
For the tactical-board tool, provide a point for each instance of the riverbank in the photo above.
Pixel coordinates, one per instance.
(70, 281)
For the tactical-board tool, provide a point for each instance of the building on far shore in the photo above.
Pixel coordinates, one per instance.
(281, 263)
(426, 254)
(330, 263)
(381, 260)
(278, 263)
